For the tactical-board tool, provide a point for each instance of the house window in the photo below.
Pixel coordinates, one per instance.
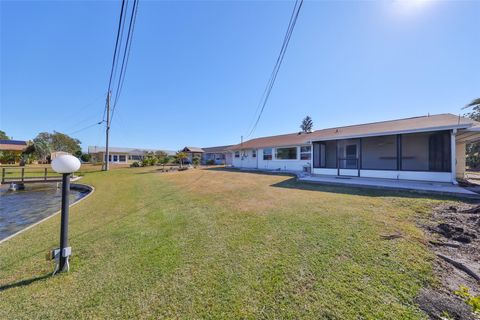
(305, 153)
(286, 153)
(122, 158)
(426, 151)
(379, 153)
(254, 153)
(267, 154)
(237, 154)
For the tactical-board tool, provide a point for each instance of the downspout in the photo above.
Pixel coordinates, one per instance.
(453, 151)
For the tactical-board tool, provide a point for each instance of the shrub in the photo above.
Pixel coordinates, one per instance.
(210, 162)
(135, 164)
(196, 161)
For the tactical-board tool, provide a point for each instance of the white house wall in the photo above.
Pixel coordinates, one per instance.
(275, 164)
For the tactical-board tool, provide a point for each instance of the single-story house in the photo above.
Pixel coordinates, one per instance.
(14, 147)
(192, 152)
(219, 155)
(121, 155)
(428, 148)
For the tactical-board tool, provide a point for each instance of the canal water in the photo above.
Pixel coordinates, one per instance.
(19, 209)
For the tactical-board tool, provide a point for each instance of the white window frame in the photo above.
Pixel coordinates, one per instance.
(305, 152)
(290, 147)
(271, 154)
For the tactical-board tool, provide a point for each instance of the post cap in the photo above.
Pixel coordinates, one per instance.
(65, 164)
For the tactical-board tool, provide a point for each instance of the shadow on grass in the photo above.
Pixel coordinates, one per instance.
(22, 283)
(292, 183)
(367, 191)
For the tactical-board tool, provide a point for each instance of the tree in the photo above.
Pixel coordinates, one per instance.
(307, 124)
(85, 157)
(149, 159)
(46, 143)
(6, 156)
(62, 142)
(162, 158)
(164, 161)
(473, 149)
(3, 135)
(41, 146)
(180, 157)
(28, 155)
(196, 161)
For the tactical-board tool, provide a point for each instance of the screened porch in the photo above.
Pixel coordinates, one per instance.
(412, 152)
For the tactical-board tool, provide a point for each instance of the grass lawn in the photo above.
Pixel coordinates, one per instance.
(220, 244)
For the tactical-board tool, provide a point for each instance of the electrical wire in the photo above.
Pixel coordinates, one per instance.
(87, 127)
(126, 55)
(278, 63)
(115, 51)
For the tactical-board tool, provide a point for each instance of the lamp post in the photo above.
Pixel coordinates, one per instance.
(66, 165)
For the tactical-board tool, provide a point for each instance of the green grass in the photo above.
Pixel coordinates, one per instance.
(218, 244)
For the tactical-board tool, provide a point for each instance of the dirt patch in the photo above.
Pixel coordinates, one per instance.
(453, 232)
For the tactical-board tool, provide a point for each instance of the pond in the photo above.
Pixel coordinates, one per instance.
(20, 209)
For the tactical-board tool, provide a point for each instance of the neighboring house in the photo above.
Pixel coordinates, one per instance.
(192, 152)
(121, 155)
(15, 147)
(220, 155)
(55, 154)
(429, 148)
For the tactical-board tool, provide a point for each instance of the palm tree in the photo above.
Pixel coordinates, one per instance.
(475, 105)
(180, 157)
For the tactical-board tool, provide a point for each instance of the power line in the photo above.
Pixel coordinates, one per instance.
(115, 51)
(278, 63)
(113, 73)
(126, 56)
(87, 127)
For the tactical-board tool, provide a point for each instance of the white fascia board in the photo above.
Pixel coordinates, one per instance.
(387, 133)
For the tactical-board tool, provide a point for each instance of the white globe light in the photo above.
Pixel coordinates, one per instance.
(65, 164)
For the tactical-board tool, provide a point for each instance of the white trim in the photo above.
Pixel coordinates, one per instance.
(453, 156)
(388, 133)
(392, 174)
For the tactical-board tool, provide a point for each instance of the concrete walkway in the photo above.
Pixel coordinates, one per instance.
(416, 186)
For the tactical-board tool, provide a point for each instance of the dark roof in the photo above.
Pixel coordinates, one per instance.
(193, 149)
(13, 142)
(216, 149)
(13, 145)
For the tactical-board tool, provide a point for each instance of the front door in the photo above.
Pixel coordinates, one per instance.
(351, 156)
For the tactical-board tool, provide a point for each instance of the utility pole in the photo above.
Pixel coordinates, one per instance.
(107, 133)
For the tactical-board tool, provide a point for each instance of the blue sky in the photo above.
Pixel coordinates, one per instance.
(197, 69)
